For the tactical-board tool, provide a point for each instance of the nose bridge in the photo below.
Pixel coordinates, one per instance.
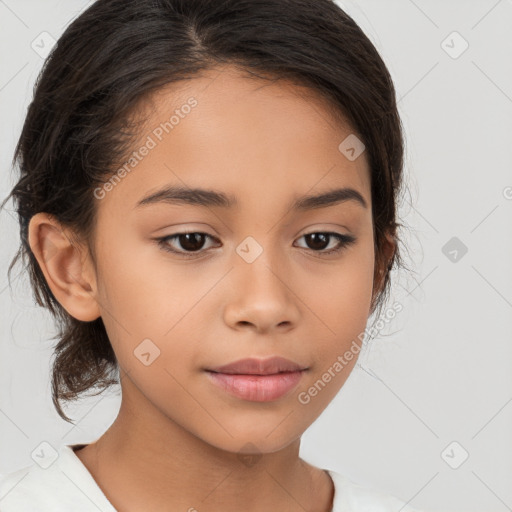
(260, 263)
(261, 295)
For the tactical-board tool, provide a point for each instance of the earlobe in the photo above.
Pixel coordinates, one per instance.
(66, 267)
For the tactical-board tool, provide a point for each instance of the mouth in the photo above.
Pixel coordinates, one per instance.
(258, 380)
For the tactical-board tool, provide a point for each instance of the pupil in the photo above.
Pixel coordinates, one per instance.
(189, 241)
(315, 236)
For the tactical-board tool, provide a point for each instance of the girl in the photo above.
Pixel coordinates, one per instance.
(207, 204)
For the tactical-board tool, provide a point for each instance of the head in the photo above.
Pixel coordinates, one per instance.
(262, 104)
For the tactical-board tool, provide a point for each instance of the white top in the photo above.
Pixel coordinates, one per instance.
(59, 482)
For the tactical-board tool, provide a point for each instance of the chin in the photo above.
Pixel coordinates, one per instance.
(255, 439)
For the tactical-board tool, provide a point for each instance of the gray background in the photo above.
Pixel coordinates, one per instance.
(441, 371)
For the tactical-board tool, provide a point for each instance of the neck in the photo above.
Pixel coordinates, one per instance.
(147, 461)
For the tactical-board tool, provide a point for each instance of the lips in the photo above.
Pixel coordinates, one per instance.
(257, 380)
(253, 366)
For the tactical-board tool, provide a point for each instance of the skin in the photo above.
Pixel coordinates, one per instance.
(177, 441)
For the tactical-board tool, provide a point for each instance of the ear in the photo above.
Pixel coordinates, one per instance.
(66, 266)
(382, 264)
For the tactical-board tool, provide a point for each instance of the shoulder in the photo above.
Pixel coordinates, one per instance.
(30, 489)
(353, 497)
(61, 486)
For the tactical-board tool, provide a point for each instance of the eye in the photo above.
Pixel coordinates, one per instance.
(191, 242)
(318, 241)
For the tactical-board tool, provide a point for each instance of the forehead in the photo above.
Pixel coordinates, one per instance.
(256, 139)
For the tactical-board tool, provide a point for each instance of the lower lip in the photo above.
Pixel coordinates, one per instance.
(257, 388)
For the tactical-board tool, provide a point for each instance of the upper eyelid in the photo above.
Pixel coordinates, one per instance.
(175, 236)
(189, 232)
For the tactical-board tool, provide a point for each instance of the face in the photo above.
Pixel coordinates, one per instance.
(263, 271)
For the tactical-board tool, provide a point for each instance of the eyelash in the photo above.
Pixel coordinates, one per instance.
(344, 241)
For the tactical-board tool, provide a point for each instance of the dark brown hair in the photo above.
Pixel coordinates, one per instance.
(115, 54)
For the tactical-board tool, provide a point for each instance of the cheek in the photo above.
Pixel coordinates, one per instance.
(130, 302)
(342, 307)
(341, 303)
(341, 297)
(144, 296)
(138, 285)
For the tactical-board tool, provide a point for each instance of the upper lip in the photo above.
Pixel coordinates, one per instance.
(254, 366)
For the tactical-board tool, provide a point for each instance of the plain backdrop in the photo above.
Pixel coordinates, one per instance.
(427, 412)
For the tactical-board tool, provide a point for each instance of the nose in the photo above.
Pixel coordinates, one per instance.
(262, 296)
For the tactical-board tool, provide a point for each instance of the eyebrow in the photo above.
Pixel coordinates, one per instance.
(211, 198)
